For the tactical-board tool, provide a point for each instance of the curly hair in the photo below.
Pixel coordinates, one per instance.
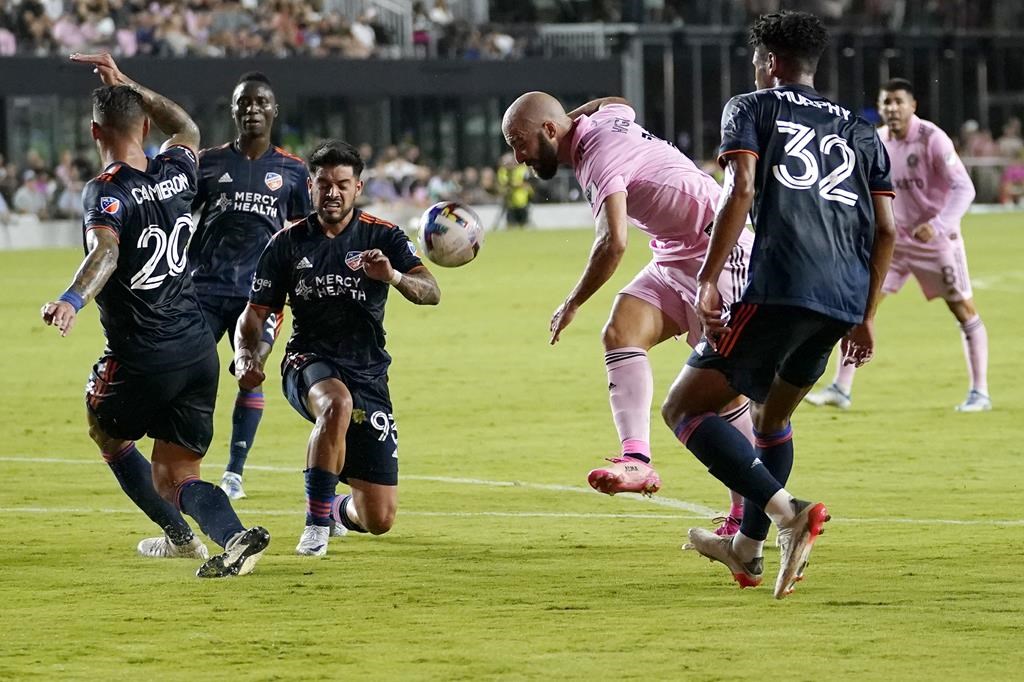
(792, 35)
(335, 153)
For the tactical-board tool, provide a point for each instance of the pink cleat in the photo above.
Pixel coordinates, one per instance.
(625, 475)
(730, 526)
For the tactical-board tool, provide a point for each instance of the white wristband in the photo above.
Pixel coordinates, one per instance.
(395, 279)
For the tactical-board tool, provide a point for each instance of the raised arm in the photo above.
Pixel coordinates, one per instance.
(592, 106)
(170, 118)
(605, 255)
(97, 267)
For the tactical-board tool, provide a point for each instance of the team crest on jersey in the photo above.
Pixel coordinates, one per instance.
(912, 161)
(273, 181)
(110, 205)
(354, 260)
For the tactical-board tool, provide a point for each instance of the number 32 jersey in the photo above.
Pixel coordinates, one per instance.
(814, 223)
(148, 307)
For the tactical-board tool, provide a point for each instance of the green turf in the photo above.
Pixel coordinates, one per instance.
(483, 581)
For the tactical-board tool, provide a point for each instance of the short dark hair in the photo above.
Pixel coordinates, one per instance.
(894, 84)
(117, 106)
(792, 35)
(335, 153)
(257, 76)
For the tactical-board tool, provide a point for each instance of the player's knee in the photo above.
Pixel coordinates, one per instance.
(612, 337)
(165, 484)
(672, 411)
(105, 443)
(336, 410)
(379, 521)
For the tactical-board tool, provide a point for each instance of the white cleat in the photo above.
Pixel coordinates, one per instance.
(976, 402)
(338, 530)
(314, 541)
(163, 548)
(231, 484)
(830, 395)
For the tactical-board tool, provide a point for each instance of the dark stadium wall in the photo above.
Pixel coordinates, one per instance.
(298, 76)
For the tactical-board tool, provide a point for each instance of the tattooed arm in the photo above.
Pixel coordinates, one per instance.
(417, 285)
(168, 116)
(92, 274)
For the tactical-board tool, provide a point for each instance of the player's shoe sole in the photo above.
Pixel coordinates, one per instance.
(719, 548)
(240, 557)
(795, 543)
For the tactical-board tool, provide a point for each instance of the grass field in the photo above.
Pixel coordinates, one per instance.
(502, 564)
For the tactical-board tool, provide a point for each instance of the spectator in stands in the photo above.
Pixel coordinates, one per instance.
(1010, 143)
(515, 191)
(33, 197)
(1011, 187)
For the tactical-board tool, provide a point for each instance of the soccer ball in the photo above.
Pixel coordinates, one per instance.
(450, 234)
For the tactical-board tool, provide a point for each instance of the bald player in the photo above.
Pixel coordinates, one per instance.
(629, 175)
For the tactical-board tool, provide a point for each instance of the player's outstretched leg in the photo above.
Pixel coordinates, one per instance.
(630, 391)
(796, 537)
(135, 475)
(739, 417)
(245, 420)
(176, 475)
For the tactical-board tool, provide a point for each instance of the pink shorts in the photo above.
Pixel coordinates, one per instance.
(940, 270)
(672, 287)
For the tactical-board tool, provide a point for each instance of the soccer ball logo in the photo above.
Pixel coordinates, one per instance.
(450, 234)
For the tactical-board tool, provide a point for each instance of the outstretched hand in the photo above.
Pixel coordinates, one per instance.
(104, 65)
(561, 318)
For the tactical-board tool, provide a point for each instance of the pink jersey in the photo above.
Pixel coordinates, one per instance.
(931, 183)
(667, 196)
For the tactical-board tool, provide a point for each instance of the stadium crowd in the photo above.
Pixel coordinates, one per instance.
(229, 28)
(398, 174)
(393, 175)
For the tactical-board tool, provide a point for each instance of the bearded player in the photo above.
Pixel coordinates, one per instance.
(629, 175)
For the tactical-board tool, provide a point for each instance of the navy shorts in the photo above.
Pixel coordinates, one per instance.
(371, 443)
(222, 313)
(176, 406)
(768, 340)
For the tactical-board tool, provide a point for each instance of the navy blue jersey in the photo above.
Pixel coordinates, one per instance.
(245, 202)
(148, 308)
(337, 311)
(814, 222)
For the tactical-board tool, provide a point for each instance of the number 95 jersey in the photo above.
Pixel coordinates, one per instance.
(148, 307)
(814, 222)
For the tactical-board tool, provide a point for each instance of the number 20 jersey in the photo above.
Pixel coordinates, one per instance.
(148, 307)
(814, 222)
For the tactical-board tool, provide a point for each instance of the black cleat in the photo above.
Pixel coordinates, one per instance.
(240, 556)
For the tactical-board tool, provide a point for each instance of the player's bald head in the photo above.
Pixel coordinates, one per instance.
(529, 112)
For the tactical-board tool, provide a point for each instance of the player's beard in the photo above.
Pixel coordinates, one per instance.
(546, 164)
(334, 217)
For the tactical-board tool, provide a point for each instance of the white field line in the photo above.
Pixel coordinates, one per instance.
(697, 511)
